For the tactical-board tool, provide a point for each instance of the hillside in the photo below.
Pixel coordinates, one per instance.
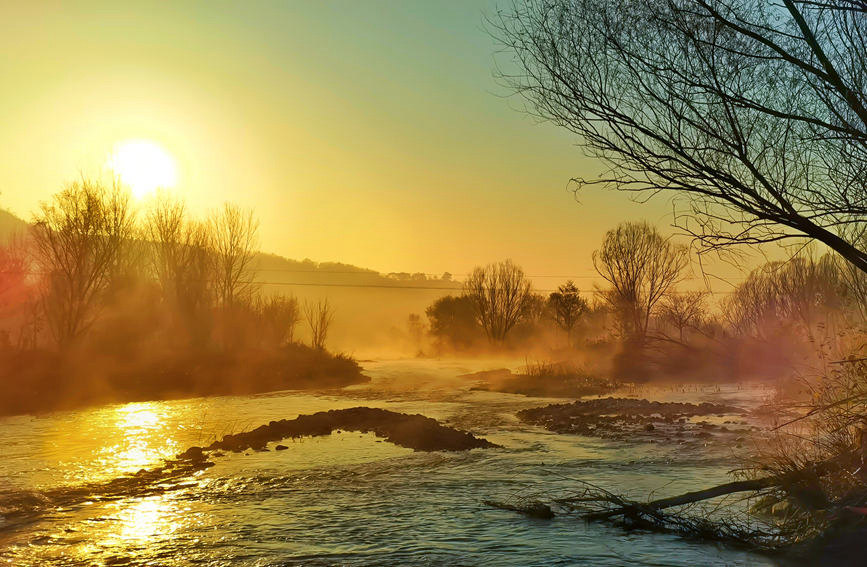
(10, 225)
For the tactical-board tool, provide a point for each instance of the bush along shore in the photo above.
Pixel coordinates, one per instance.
(40, 381)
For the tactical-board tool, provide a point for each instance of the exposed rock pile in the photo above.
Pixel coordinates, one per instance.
(621, 417)
(413, 431)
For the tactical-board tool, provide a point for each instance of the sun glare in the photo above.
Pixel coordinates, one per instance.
(143, 165)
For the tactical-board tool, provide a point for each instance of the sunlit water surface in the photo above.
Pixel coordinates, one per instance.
(346, 499)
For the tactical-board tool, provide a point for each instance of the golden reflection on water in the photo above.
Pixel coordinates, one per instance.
(143, 438)
(130, 528)
(147, 518)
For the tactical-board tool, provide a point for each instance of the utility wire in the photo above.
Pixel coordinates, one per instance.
(455, 287)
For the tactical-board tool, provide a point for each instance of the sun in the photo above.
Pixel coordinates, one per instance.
(144, 166)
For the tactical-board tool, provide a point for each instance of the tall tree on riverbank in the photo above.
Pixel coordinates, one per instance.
(319, 316)
(806, 292)
(182, 261)
(684, 311)
(567, 306)
(500, 293)
(754, 111)
(79, 242)
(453, 322)
(233, 239)
(641, 267)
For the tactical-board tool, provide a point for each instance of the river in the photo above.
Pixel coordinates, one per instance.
(345, 499)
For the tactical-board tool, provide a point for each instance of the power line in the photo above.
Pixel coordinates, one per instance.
(348, 285)
(455, 287)
(399, 286)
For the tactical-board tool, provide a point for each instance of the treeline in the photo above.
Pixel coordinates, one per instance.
(641, 325)
(99, 299)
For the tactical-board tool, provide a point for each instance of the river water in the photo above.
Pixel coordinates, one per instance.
(345, 499)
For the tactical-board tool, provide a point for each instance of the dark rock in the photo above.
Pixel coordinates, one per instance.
(192, 454)
(280, 448)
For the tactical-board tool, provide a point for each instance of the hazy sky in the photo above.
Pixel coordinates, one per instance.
(372, 133)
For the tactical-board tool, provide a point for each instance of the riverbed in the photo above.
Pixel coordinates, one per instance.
(344, 499)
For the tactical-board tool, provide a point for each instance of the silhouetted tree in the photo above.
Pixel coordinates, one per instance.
(79, 240)
(855, 280)
(755, 111)
(16, 295)
(803, 291)
(567, 306)
(183, 263)
(279, 316)
(641, 267)
(233, 238)
(499, 293)
(415, 328)
(319, 316)
(683, 310)
(453, 321)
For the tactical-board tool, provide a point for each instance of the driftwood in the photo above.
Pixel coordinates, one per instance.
(691, 497)
(531, 508)
(722, 521)
(752, 485)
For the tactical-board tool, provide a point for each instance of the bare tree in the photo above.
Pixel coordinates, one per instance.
(79, 241)
(13, 276)
(684, 310)
(16, 301)
(319, 316)
(233, 234)
(183, 263)
(416, 329)
(641, 267)
(754, 111)
(567, 306)
(279, 315)
(855, 281)
(802, 291)
(499, 293)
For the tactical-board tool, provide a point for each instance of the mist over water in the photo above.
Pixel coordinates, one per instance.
(347, 498)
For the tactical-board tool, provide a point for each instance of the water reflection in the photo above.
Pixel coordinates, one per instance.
(147, 518)
(349, 499)
(144, 438)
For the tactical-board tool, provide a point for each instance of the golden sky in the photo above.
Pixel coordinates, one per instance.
(372, 133)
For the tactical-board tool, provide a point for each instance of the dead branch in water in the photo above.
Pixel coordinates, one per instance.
(628, 507)
(728, 521)
(531, 508)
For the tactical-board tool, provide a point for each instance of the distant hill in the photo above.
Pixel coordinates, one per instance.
(279, 270)
(10, 225)
(371, 309)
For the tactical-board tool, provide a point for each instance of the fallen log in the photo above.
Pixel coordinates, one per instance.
(752, 485)
(691, 497)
